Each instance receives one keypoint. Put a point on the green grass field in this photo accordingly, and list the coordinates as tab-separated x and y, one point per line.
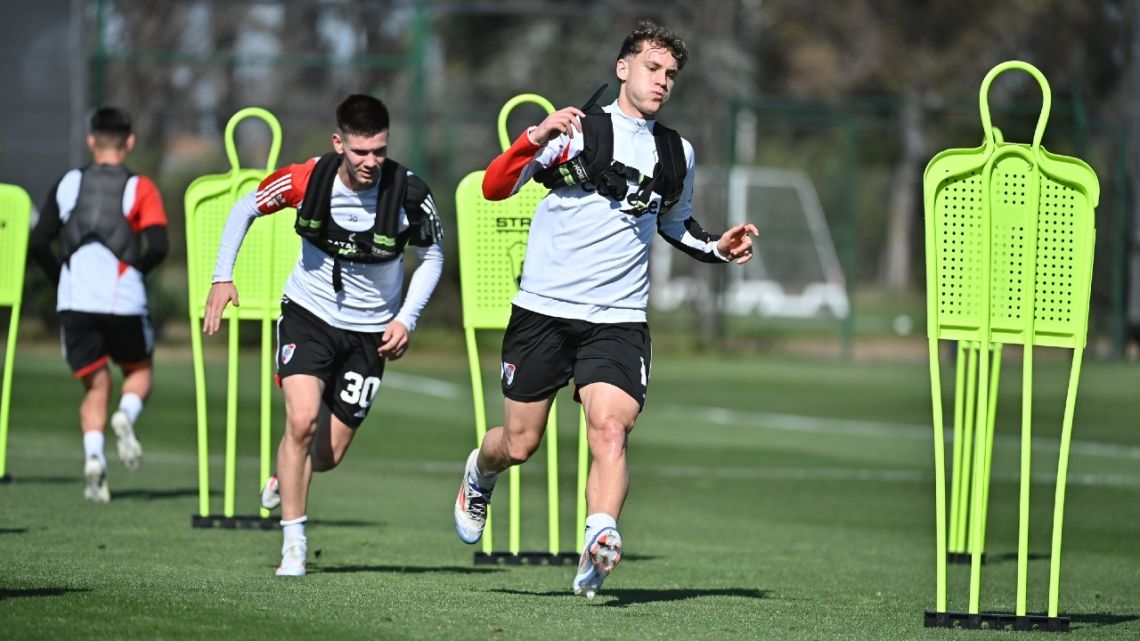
772	498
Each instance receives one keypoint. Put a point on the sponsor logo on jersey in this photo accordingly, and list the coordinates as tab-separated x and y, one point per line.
360	414
287	352
508	373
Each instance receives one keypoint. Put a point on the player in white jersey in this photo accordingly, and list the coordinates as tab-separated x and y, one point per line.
111	229
617	179
341	315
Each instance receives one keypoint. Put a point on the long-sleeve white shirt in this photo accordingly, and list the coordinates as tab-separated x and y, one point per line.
585	258
371	294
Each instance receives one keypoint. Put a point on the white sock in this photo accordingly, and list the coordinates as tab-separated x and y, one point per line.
294	529
131	405
93	446
482	479
596	523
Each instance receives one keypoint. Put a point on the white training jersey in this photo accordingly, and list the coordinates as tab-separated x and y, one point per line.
585	258
94	280
371	294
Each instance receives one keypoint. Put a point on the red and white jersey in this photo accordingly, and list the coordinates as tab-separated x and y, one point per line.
587	259
371	292
94	280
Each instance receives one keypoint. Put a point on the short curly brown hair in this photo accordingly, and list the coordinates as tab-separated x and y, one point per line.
648	31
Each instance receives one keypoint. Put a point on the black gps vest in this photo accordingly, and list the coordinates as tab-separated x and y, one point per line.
383	242
610	178
98	214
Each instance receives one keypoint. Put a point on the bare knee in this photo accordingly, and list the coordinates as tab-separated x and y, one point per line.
300	427
520	447
607	436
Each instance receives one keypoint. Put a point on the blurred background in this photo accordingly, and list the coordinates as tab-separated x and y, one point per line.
813	120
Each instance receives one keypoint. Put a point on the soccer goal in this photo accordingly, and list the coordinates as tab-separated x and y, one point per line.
795	272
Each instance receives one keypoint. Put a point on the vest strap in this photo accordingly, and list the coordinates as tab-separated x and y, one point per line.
595	165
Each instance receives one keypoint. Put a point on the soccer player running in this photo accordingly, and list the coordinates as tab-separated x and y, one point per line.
617	178
341	317
111	229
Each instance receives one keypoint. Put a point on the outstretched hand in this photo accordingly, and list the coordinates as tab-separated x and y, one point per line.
564	121
394	343
736	243
221	294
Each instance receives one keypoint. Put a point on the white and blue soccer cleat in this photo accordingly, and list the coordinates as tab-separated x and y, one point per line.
600	557
95	481
271	494
293	558
130	450
471	504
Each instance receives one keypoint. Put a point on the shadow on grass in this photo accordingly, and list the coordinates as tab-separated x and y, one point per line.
157	495
47	480
13	530
625	597
1005	557
15	593
1100	619
402	569
343	523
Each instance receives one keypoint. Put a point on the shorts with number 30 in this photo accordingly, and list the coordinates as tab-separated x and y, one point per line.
346	361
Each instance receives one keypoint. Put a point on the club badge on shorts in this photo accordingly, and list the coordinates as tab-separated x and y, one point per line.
287	352
508	373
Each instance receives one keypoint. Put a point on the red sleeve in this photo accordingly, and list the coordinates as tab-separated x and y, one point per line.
147	210
284	187
505	170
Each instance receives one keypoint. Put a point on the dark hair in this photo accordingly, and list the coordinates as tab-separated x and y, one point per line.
648	31
361	115
110	125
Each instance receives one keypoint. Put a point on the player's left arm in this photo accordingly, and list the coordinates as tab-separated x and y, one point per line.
148	220
681	229
425	237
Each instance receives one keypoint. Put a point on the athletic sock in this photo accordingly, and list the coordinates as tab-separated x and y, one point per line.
596	523
93	446
483	479
294	528
131	405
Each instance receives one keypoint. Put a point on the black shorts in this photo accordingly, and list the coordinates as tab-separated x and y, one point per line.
90	340
346	361
541	353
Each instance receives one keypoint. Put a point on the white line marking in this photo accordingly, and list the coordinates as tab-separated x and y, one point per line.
846	427
422	385
455	468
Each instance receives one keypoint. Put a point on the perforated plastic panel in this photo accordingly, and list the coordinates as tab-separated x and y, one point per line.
1013	207
1064	237
492	244
15	214
259	273
1040	238
961	243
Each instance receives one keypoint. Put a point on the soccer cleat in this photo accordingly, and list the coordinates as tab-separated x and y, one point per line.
471	504
95	481
599	558
271	494
130	451
293	558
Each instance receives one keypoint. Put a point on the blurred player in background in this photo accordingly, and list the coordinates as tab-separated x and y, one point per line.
111	229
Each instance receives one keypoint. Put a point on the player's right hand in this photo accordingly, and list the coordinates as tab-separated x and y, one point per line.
221	294
564	121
